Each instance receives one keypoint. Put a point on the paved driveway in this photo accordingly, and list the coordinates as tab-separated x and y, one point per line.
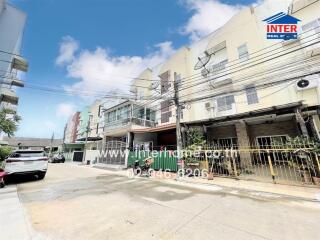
77	202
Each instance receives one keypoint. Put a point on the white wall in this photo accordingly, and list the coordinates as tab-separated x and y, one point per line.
12	22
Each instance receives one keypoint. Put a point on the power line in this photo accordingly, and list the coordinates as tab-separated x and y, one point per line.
255	75
256	64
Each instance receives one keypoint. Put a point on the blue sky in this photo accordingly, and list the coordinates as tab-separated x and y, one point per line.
121	36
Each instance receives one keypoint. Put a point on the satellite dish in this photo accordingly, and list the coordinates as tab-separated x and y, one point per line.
303	83
202	61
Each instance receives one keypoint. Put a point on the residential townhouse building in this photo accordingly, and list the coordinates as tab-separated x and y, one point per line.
83	123
235	85
12	23
70	134
94	140
245	95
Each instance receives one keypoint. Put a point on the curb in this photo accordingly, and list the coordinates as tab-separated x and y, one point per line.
225	189
287	196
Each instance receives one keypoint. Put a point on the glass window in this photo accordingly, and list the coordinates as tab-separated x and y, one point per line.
124	112
252	96
118	112
225	103
243	52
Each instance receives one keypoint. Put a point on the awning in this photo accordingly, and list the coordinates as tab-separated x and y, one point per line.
20	63
155	129
275	110
7	95
90	139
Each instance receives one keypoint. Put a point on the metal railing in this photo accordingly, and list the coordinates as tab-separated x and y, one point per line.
127	121
296	164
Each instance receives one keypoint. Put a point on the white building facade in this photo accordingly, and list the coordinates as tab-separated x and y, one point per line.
12	23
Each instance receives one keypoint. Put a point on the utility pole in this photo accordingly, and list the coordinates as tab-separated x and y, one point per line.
86	141
64	137
178	116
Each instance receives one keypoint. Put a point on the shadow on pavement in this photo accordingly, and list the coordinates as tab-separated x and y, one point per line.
17	179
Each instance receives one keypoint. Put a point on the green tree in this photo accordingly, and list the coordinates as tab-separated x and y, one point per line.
4	152
195	137
9	121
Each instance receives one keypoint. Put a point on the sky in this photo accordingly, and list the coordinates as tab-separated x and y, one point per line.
90	47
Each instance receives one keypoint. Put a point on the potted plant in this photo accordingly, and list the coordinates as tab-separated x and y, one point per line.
196	142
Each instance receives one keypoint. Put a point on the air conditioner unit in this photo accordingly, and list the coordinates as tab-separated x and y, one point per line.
208	106
313	82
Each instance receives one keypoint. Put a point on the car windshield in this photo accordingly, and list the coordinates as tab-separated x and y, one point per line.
29	154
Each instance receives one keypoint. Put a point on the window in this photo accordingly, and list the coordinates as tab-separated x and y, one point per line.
243	52
225	103
252	96
118	111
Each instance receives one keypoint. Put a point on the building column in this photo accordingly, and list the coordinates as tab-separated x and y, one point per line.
243	144
302	124
103	147
129	145
315	125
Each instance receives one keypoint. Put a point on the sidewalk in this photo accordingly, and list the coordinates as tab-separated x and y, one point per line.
13	222
232	185
297	192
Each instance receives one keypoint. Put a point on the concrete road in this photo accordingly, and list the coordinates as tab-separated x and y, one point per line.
77	202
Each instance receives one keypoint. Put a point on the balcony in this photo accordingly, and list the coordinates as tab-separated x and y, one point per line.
129	122
128	115
7	95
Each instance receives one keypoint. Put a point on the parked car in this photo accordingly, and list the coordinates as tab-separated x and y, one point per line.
27	162
2	175
58	158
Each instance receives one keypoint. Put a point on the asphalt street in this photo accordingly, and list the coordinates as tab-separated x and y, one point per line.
78	202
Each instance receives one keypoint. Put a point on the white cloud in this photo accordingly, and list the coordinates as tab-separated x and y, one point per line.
65	110
99	72
68	47
208	15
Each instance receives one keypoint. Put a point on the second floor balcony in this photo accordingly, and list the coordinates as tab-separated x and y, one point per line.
127	115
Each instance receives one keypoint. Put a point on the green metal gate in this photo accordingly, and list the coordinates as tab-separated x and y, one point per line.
162	159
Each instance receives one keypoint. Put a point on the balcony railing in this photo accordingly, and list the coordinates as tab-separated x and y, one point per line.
129	121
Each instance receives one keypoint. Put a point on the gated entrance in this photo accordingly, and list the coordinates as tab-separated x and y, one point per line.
115	153
77	156
278	160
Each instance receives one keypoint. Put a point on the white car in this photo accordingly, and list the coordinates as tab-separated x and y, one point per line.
27	162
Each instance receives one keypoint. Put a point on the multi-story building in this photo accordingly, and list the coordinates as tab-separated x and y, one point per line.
83	123
70	134
12	22
237	86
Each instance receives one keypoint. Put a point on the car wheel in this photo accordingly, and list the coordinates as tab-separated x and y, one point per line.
2	184
41	175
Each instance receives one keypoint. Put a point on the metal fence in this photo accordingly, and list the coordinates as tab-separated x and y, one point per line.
281	162
162	159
